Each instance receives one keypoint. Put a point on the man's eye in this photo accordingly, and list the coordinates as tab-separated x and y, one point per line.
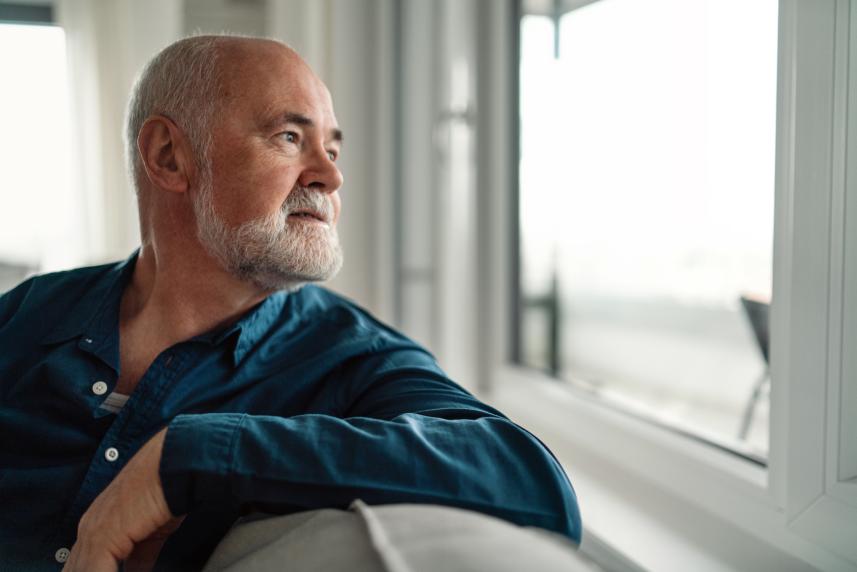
289	136
331	155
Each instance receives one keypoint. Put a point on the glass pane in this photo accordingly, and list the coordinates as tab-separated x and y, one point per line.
646	208
40	215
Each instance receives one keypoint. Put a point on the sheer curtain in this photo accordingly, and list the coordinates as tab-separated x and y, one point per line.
108	41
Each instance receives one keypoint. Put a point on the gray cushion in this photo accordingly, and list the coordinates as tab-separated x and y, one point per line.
390	538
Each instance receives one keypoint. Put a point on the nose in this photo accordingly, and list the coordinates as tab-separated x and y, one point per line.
321	173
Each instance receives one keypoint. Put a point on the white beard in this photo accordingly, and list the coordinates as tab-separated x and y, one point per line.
272	252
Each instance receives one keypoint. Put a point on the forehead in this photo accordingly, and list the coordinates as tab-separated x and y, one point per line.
265	80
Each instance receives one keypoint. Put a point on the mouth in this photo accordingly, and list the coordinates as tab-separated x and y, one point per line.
308	216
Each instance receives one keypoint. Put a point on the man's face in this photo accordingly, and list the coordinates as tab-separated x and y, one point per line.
267	202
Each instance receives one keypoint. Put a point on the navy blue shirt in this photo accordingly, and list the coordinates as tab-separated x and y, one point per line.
306	402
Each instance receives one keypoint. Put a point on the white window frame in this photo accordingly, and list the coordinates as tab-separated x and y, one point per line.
804	505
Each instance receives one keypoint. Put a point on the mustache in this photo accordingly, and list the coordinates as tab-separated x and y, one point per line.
306	199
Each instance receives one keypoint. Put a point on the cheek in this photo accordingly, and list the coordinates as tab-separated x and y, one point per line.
251	191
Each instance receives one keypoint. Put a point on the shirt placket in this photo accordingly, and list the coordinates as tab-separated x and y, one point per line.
136	421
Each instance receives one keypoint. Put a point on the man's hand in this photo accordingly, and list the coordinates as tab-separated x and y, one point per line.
129	520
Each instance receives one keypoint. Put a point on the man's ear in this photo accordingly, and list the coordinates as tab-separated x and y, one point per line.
165	153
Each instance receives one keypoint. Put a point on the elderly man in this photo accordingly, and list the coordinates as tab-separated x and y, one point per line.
146	405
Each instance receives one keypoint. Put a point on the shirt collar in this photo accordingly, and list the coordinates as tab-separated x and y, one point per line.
96	318
97	312
256	323
249	329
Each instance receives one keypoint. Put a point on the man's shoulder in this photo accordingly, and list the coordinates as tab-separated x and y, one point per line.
66	283
351	332
319	304
315	298
51	293
316	302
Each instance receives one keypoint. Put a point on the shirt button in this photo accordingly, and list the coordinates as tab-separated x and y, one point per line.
111	454
61	555
99	388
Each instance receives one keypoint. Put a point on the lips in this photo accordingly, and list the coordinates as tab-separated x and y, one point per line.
309	214
307	205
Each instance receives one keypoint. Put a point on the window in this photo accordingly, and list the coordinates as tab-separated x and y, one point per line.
646	208
797	506
649	493
39	212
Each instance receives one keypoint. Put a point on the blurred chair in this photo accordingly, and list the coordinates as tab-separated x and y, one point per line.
757	312
12	274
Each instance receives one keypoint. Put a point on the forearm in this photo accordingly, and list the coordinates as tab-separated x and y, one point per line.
310	461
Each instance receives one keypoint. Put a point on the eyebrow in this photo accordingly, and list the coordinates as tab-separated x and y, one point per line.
300	119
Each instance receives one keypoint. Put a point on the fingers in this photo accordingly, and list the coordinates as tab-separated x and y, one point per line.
88	556
88	560
145	553
128	512
96	549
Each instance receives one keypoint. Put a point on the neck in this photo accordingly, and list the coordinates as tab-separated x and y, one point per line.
183	294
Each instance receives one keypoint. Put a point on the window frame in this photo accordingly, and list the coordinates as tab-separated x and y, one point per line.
801	504
32	13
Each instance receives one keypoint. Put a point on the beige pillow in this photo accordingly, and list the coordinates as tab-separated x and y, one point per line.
390	538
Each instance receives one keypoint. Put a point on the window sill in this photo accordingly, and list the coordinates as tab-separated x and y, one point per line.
654	497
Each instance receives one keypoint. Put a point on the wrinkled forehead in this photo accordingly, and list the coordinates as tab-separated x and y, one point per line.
265	78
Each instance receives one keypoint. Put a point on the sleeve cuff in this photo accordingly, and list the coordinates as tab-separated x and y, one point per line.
196	463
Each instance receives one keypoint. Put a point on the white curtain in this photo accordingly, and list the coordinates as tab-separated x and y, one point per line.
108	41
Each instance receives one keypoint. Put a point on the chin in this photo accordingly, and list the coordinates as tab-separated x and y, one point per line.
272	275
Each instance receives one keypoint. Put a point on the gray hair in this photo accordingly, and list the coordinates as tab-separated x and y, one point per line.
182	82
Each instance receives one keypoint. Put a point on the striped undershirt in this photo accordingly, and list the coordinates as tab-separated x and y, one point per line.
114	402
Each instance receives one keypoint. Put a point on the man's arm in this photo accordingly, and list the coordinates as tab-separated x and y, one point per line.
278	465
408	435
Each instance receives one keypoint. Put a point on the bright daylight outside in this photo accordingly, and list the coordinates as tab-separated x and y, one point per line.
646	209
39	216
